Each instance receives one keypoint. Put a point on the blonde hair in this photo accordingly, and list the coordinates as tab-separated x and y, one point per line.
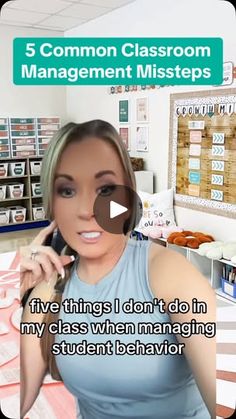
73	132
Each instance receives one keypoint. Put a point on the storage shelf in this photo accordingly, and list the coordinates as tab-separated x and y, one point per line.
224	295
10	159
227	262
12	177
15	199
23	226
25	222
29	131
25	201
210	268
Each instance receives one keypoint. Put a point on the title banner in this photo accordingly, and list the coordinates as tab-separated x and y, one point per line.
104	61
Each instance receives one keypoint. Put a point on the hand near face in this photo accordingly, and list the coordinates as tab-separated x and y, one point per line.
39	262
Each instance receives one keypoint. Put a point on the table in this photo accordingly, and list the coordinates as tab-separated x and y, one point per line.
54	401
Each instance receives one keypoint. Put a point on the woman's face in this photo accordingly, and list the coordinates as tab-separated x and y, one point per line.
84	171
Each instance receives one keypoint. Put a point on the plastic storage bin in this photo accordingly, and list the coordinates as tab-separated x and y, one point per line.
17	168
38	212
4	216
15	190
36	189
3	169
228	287
3	189
17	214
35	167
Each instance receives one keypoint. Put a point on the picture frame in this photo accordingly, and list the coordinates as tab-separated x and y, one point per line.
124	111
124	132
142	110
142	138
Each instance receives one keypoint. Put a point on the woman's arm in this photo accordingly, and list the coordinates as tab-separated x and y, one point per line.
33	368
171	277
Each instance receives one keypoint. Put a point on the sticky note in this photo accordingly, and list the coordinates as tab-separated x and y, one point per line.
196	124
218	165
194	177
195	136
217	179
194	164
195	150
218	138
216	195
218	150
194	190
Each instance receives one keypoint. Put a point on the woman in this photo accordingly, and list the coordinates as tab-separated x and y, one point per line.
84	161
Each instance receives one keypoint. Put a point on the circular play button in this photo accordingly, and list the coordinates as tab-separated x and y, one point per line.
117	209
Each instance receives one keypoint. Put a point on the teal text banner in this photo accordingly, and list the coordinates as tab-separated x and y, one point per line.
106	61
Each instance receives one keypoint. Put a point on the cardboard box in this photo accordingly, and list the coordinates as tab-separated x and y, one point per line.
4	216
3	189
15	190
17	214
36	189
38	212
35	167
17	168
3	169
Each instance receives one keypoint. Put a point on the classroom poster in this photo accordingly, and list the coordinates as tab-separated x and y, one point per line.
142	109
141	138
124	133
123	111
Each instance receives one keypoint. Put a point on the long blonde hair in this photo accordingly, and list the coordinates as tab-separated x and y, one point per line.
73	132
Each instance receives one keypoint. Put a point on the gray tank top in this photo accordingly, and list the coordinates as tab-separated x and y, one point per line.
126	386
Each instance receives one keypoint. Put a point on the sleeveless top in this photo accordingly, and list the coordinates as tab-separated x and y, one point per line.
126	386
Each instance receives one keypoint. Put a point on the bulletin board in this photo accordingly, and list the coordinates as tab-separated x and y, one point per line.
202	150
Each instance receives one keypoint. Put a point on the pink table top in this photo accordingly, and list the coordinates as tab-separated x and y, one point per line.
61	403
55	402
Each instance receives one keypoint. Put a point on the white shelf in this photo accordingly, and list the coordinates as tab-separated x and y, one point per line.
12	177
212	269
227	262
15	199
25	201
224	295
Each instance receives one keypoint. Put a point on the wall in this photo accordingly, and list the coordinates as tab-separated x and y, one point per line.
155	18
26	100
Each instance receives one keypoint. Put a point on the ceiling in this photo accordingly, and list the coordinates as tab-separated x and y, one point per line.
55	15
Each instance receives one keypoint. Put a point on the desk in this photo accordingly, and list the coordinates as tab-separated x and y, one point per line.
226	360
54	401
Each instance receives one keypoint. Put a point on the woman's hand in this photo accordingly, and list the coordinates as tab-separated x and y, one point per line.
38	262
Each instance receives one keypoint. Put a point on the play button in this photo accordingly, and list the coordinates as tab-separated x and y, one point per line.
117	209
